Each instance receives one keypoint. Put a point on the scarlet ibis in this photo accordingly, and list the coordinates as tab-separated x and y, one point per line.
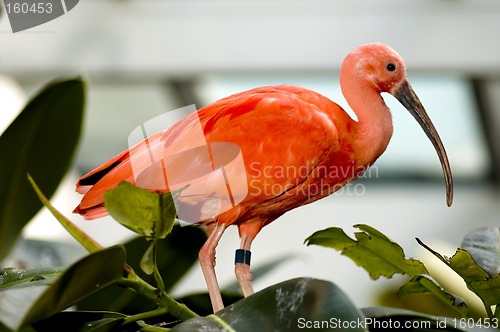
277	128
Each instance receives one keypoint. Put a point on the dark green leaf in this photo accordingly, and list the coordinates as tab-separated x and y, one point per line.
17	278
176	256
82	321
424	284
147	213
200	302
483	244
381	318
41	142
287	306
376	253
87	276
116	298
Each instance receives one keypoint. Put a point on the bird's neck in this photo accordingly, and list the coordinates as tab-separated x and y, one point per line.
374	126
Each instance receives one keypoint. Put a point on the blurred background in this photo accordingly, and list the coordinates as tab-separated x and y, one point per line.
144	58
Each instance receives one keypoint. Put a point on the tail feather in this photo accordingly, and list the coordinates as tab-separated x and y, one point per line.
91	213
91	178
95	183
107	176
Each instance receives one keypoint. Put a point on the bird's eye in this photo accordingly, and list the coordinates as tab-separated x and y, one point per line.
391	67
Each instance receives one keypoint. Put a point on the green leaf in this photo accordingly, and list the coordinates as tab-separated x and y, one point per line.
82	321
200	302
488	290
424	284
333	237
463	263
41	141
373	251
176	256
17	278
287	306
483	244
475	277
78	234
148	260
147	213
87	276
385	317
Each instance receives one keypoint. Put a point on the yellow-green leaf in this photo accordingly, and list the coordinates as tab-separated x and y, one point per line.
424	284
475	277
78	234
372	250
148	260
147	213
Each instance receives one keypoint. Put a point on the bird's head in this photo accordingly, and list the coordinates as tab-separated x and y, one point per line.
378	66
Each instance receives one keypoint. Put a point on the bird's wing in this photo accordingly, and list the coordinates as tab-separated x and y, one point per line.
249	148
283	132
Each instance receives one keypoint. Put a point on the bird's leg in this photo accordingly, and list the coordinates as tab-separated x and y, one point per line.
207	262
247	231
242	266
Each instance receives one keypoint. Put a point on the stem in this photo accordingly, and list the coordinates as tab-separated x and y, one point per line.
156	272
149	328
145	315
164	300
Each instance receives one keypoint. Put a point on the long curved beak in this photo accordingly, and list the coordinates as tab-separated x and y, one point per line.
406	96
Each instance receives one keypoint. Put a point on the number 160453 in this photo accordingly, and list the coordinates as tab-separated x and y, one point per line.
26	8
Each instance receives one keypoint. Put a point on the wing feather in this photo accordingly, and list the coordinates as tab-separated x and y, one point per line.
283	134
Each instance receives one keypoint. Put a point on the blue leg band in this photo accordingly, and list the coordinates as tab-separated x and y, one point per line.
242	256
